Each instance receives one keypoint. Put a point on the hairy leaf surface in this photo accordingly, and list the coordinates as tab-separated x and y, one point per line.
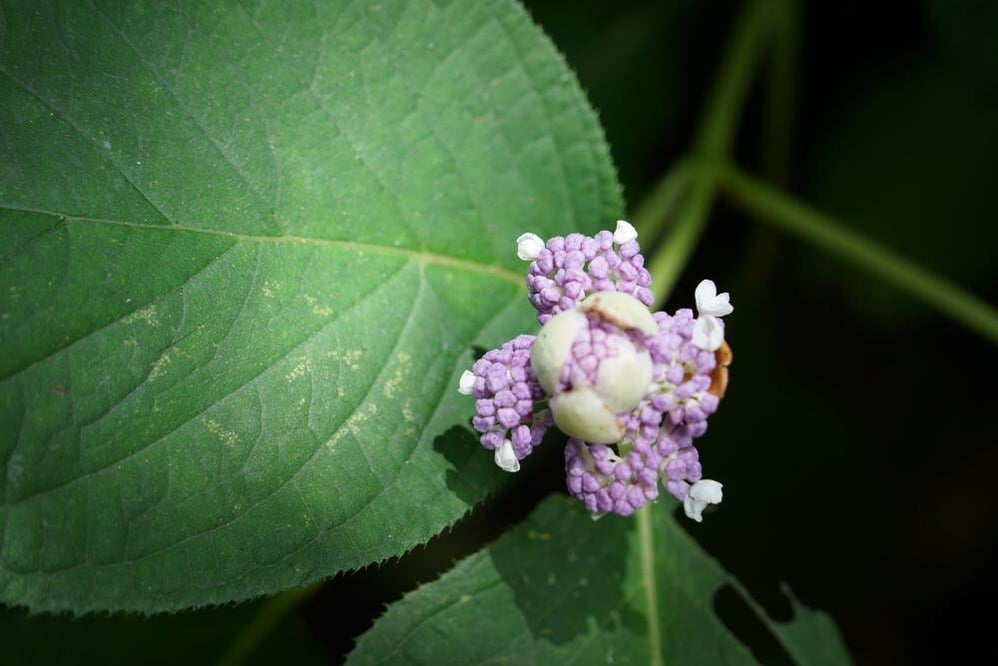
245	250
562	589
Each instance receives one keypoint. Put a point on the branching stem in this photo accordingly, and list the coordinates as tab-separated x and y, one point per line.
713	142
772	206
710	169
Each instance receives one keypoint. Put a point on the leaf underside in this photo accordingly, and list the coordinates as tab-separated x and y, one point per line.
563	589
245	250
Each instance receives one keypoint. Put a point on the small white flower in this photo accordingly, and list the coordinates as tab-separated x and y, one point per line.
699	496
624	232
529	246
709	302
466	385
708	332
506	459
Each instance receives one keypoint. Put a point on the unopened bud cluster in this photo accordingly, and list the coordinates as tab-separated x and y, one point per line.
632	389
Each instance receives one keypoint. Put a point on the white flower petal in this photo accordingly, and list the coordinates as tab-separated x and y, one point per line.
705	292
708	332
707	490
709	302
701	493
466	385
624	233
506	458
529	246
694	508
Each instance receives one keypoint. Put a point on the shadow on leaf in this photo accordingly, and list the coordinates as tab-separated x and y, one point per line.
567	573
472	474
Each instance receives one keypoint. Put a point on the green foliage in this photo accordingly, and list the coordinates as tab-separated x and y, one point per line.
246	250
562	589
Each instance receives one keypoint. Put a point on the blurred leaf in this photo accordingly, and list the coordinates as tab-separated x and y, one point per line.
196	637
563	589
246	250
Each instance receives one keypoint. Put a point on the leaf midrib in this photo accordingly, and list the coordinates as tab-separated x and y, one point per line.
423	256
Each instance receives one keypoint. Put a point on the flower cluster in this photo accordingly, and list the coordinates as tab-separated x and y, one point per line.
632	389
507	393
563	270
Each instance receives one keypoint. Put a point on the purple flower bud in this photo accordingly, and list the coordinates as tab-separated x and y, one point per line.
570	267
506	393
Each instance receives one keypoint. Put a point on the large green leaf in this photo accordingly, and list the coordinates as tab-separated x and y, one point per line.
245	250
563	589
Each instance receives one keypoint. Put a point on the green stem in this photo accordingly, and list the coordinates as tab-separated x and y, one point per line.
652	214
263	623
772	206
670	259
713	142
648	582
781	94
757	264
738	68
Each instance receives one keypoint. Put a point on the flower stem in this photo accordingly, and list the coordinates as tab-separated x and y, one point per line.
780	210
670	259
780	90
648	582
758	262
665	197
716	134
713	142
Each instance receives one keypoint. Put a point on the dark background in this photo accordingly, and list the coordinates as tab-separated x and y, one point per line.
857	442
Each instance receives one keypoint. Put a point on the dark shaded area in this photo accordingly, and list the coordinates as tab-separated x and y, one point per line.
462	450
196	637
746	625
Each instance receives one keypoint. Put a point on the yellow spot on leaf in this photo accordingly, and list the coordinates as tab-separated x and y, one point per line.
304	365
148	315
268	287
227	437
159	367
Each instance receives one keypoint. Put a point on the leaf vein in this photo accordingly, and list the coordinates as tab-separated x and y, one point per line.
124	316
194	120
249	381
79	130
424	256
308	90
